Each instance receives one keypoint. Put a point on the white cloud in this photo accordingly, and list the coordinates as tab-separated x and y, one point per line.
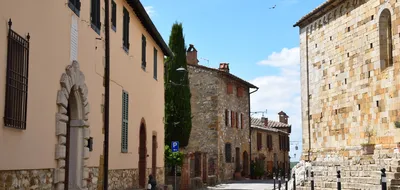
150	10
285	58
281	92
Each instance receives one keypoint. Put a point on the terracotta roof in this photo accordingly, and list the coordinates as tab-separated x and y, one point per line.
271	124
323	8
226	74
149	25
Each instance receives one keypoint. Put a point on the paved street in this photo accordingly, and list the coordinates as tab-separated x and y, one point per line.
248	184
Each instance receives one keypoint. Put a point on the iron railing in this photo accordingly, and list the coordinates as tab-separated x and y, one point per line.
16	80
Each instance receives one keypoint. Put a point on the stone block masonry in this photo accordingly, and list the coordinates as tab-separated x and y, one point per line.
43	179
353	90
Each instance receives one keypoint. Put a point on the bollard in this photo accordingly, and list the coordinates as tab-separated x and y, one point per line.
274	176
383	179
286	182
312	180
279	181
339	184
294	181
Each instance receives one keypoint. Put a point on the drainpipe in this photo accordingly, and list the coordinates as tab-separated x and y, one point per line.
107	92
250	121
308	100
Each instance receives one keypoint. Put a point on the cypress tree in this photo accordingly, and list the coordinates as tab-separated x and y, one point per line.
178	115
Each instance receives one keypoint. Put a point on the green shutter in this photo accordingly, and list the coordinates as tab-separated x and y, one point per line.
125	116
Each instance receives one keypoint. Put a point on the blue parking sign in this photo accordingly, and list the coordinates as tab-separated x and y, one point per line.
175	146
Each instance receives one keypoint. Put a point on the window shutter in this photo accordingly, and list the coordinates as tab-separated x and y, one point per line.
229	119
226	117
74	39
155	63
114	14
242	120
236	119
143	51
125	118
232	119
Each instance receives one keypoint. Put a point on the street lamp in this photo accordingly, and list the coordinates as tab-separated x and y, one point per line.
181	69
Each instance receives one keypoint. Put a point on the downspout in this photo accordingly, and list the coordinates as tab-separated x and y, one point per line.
250	120
308	101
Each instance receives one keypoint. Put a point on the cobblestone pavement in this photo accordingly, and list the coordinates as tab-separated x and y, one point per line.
248	184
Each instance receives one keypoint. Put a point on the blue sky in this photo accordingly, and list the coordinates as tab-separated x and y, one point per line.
260	44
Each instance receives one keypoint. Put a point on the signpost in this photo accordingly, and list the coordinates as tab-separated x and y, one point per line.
175	148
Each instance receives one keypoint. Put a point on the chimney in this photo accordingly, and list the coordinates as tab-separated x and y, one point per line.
264	120
191	55
224	67
283	118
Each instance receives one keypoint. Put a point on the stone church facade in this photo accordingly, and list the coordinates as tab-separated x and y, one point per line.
52	95
350	66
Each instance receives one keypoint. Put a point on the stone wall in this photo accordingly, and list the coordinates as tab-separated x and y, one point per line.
204	101
281	156
209	133
27	179
351	94
239	138
360	172
43	179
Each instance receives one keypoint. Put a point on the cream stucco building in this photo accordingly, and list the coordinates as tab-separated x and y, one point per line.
350	91
52	65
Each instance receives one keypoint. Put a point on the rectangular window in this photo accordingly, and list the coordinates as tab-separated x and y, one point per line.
237	120
114	16
95	15
155	64
270	147
75	6
125	33
143	52
226	117
259	141
232	119
240	91
242	120
16	80
125	118
228	153
280	142
229	88
239	117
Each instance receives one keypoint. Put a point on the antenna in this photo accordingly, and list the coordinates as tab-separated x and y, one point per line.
208	61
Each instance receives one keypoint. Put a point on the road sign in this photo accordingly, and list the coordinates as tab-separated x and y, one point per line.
175	146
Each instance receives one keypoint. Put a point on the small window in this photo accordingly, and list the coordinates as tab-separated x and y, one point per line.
143	52
259	141
75	6
372	17
377	103
330	61
359	107
228	153
16	96
348	29
226	117
345	81
95	15
329	86
237	119
348	54
240	91
230	88
125	118
114	16
371	45
125	33
155	52
385	39
242	120
330	38
316	45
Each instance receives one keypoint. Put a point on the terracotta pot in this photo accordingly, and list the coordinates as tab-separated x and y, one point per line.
368	149
238	175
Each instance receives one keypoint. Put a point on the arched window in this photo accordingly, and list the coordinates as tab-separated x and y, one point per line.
385	39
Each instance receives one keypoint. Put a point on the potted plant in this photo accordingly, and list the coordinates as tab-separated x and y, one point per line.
368	147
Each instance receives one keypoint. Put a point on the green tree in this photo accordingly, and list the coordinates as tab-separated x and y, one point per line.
178	116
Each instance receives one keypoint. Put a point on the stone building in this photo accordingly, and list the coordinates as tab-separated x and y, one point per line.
220	106
270	142
350	90
52	57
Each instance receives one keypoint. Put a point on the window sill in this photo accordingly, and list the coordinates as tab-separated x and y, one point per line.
74	9
155	78
125	49
95	28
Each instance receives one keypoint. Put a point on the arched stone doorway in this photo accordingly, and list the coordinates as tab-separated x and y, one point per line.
72	130
142	154
245	164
